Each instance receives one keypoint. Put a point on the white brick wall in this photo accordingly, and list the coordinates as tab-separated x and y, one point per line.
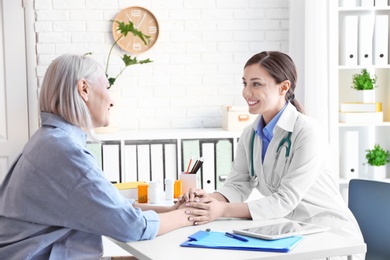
198	58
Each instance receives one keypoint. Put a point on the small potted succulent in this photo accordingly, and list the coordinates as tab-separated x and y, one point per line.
365	85
377	158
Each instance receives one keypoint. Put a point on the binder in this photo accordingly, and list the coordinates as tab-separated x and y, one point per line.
190	148
381	3
349	161
208	167
96	150
157	163
366	3
381	40
224	159
366	34
143	162
170	156
218	240
349	41
111	161
130	163
348	3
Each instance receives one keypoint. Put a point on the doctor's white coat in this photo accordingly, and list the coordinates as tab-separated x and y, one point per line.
302	186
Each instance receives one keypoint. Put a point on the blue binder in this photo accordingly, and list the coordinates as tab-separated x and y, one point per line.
219	240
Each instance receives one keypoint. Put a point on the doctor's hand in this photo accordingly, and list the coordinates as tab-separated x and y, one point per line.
206	211
196	195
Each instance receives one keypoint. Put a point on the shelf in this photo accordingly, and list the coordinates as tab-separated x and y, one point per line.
364	9
350	140
156	134
343	181
359	67
363	124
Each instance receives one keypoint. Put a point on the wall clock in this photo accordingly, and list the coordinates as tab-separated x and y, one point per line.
144	21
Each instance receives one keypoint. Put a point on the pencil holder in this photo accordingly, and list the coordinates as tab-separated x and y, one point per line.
189	180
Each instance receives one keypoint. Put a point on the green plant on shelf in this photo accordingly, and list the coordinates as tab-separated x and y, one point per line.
363	81
377	156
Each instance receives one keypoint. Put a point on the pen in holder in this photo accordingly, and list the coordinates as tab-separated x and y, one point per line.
189	180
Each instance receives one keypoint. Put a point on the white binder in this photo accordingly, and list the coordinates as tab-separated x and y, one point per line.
366	33
349	163
381	39
366	3
171	170
348	41
111	162
348	3
157	163
208	167
381	3
130	162
143	162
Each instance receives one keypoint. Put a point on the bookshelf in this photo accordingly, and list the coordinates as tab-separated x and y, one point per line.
148	155
352	139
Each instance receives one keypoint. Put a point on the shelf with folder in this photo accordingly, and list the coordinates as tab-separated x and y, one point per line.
363	43
146	155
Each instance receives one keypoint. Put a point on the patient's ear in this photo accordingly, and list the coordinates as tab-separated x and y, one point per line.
83	89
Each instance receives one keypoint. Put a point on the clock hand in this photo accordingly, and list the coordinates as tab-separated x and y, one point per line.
141	21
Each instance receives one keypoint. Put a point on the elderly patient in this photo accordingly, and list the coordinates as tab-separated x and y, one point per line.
55	202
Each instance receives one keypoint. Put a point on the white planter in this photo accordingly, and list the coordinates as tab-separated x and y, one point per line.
377	172
365	96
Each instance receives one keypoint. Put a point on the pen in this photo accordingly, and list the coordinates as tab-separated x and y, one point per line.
198	165
236	237
189	165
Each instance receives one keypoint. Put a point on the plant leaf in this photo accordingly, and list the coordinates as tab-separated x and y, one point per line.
125	28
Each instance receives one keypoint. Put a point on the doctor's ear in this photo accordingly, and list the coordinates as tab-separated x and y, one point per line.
83	89
284	86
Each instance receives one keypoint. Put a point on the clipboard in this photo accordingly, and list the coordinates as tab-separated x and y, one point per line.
218	240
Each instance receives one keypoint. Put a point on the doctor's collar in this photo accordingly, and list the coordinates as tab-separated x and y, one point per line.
266	131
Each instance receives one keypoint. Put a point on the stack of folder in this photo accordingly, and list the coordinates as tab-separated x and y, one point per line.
361	112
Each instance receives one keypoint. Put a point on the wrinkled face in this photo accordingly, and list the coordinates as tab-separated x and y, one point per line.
262	94
99	101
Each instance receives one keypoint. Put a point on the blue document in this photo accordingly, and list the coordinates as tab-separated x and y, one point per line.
220	240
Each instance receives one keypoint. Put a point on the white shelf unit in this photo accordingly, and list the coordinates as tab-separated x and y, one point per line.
146	155
368	133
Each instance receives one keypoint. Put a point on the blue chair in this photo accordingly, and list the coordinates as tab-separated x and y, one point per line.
369	201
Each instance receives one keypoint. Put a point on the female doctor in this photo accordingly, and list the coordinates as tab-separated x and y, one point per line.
283	155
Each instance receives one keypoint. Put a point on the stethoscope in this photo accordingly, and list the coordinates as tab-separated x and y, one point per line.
253	178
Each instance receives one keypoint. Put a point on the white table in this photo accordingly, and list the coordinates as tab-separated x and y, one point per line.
167	246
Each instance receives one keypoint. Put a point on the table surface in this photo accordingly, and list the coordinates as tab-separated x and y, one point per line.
312	246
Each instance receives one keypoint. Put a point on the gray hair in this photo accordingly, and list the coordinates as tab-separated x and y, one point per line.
59	93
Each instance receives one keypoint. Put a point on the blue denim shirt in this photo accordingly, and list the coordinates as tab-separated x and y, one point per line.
55	202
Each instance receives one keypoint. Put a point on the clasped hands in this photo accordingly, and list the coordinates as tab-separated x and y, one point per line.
201	207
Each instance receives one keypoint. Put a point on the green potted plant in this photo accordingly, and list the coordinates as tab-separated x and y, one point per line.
128	60
377	158
365	85
124	29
